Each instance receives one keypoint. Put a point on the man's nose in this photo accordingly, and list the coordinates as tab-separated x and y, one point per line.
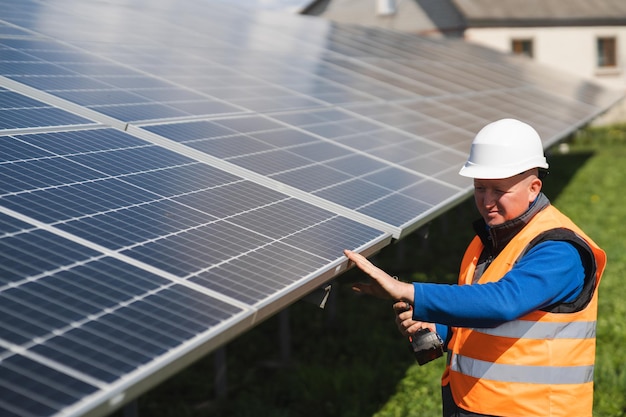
489	198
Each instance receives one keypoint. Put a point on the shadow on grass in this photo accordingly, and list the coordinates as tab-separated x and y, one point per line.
563	168
346	365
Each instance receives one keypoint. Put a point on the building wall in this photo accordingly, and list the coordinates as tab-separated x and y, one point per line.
571	49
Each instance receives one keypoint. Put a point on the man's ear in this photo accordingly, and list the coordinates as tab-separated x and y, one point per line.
534	188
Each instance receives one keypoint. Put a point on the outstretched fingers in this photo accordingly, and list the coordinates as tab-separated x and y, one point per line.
381	284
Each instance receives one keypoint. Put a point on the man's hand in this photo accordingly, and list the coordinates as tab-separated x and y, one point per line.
404	320
382	284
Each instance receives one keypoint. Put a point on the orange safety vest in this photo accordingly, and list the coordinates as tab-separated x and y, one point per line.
538	365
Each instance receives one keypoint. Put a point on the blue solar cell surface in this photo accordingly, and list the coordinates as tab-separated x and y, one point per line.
43	391
18	112
322	164
103	272
155	205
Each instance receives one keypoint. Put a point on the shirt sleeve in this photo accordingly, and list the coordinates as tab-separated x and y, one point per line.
444	333
549	273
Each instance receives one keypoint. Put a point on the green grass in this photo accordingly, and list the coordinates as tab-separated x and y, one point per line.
350	361
595	198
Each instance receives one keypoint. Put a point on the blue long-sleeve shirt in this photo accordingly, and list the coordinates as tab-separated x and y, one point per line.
549	273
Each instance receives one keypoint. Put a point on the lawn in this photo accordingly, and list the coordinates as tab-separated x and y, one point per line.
349	360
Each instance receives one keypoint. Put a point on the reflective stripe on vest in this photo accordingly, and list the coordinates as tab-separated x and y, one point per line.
523	329
524	374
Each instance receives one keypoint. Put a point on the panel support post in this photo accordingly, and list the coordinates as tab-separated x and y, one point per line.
131	409
221	373
284	336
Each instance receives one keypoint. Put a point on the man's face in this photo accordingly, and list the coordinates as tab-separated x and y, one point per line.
501	200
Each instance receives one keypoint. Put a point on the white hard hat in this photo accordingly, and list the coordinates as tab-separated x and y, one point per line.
502	149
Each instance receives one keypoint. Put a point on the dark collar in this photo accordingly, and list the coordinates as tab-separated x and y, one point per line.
496	238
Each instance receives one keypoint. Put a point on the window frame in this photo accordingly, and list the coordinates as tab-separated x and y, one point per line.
606	52
523	46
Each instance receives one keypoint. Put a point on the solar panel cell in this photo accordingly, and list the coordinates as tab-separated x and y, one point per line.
189	131
346	234
14	150
352	194
230	146
282	219
39	117
270	162
26	255
34	389
193	250
249	124
181	180
405	209
128	226
13	100
356	165
393	178
140	112
128	161
312	178
83	141
254	276
10	225
82	199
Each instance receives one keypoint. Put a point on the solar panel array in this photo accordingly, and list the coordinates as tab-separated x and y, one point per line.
173	172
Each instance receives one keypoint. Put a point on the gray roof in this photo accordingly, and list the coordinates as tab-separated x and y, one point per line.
542	12
451	17
416	16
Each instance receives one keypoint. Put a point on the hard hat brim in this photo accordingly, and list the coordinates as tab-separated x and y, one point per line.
471	170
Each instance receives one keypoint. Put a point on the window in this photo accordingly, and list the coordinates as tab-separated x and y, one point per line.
607	52
385	7
522	47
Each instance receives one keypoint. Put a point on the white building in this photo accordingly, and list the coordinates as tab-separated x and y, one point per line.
583	37
586	38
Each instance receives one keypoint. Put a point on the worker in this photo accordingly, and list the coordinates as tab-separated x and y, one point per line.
519	328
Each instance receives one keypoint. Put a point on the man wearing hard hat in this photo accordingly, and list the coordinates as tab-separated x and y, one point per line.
519	327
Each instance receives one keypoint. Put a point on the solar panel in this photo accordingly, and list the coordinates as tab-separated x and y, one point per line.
116	252
168	180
